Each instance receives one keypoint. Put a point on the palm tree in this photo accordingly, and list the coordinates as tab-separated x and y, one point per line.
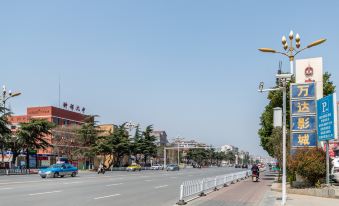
31	135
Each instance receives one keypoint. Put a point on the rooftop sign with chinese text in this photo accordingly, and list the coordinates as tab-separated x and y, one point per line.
327	118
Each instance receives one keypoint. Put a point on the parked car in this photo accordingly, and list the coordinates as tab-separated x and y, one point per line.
172	167
133	167
335	172
157	167
244	166
58	170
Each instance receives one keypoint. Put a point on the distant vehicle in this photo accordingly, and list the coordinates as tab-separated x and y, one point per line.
133	167
237	166
58	170
197	166
244	166
172	167
157	167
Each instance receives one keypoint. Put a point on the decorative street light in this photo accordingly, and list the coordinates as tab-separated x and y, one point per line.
5	96
290	50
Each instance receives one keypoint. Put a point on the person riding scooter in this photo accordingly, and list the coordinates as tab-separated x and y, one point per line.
255	171
101	168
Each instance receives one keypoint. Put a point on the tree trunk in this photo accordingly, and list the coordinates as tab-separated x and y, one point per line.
27	159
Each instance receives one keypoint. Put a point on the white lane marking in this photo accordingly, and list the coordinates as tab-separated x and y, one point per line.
117	178
148	180
161	186
116	184
97	198
8	183
43	193
6	188
67	183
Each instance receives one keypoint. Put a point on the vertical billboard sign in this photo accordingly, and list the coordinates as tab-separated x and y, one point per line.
303	115
327	118
310	70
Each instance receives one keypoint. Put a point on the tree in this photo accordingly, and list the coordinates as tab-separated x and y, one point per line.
32	135
309	164
88	135
119	143
5	132
148	146
136	144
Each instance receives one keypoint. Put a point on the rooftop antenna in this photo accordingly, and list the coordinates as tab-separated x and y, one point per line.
280	66
59	92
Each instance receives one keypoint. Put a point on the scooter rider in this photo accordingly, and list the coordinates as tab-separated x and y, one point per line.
101	168
255	169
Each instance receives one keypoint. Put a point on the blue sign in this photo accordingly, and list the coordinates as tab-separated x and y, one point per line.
304	139
303	91
327	118
302	107
304	123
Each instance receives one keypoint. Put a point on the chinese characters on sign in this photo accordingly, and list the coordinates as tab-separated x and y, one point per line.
303	115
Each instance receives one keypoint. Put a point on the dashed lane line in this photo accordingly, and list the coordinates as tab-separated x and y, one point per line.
44	193
161	186
98	198
116	184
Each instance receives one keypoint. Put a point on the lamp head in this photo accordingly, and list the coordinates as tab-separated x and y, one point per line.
297	38
315	43
291	35
267	50
283	40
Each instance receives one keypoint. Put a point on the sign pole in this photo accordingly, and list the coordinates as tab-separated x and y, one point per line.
327	163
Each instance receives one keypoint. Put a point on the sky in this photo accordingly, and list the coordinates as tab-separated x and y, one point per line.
189	67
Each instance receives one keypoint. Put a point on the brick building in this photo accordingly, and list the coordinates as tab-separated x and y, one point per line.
60	117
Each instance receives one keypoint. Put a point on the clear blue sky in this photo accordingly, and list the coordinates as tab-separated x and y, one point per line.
189	67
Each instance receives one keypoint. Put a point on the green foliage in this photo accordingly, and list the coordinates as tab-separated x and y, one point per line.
309	164
148	147
329	87
31	135
208	156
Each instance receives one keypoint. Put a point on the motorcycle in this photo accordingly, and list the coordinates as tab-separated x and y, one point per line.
255	176
101	170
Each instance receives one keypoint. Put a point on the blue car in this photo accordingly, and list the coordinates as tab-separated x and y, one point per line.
59	170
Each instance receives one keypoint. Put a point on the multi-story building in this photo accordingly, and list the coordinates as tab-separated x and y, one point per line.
161	138
229	148
60	117
188	144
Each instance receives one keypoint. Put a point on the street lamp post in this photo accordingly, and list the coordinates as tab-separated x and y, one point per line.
290	52
5	96
283	80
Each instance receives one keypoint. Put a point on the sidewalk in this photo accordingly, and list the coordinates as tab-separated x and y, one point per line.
244	193
297	200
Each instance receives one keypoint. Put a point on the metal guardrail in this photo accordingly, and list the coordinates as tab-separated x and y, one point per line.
196	188
14	171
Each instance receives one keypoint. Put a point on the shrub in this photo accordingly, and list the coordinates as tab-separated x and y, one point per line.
309	164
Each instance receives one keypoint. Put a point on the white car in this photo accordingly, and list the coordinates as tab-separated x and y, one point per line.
335	171
157	167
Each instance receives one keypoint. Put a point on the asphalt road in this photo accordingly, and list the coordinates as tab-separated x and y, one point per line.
149	188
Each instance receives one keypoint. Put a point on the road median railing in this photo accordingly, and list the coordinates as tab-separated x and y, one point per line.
18	171
192	189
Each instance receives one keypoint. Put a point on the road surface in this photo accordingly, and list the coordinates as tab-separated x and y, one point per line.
118	188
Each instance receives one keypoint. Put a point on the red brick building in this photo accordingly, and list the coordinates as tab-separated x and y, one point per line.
58	116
